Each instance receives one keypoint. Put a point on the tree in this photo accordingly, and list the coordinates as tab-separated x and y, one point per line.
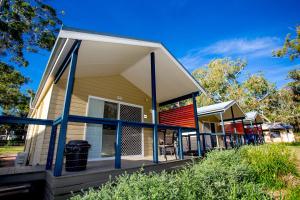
12	100
258	92
291	46
294	76
220	79
25	26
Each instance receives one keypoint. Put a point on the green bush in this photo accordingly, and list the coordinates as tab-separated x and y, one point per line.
246	173
270	162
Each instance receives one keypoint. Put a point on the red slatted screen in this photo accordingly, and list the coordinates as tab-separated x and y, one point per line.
182	116
229	128
249	130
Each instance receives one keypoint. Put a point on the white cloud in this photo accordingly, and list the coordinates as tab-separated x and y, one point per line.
237	47
241	46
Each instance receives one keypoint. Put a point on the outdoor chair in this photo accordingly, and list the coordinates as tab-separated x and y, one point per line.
168	144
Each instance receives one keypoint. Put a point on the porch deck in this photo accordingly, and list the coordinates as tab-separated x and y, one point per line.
126	163
96	174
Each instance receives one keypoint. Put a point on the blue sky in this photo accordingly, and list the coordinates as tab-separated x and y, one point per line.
194	31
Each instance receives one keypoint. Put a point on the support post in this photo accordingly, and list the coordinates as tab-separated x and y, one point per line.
203	140
252	129
190	144
262	134
223	130
51	147
234	127
118	145
257	132
180	144
65	114
154	108
197	125
245	138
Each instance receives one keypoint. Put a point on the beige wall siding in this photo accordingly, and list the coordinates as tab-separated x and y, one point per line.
109	87
36	133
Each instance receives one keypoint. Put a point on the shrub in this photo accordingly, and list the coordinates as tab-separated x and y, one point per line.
222	175
270	162
246	173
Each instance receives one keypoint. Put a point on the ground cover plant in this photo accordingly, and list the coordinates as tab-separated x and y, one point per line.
251	172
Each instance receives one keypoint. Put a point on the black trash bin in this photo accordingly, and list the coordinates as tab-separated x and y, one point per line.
76	152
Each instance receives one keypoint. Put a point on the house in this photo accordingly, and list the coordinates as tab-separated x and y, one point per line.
253	128
278	132
221	126
107	90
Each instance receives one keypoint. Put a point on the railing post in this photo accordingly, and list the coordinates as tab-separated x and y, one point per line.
51	147
197	125
262	134
118	145
245	138
65	114
180	144
154	108
223	130
203	143
190	144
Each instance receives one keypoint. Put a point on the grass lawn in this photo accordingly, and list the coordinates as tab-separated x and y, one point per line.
4	150
296	150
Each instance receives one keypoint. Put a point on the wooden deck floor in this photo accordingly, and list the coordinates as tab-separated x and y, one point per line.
99	172
96	174
126	163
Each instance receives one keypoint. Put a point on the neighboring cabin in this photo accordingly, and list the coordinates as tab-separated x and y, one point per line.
278	132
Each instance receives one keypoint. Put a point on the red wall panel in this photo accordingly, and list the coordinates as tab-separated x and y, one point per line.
182	116
229	128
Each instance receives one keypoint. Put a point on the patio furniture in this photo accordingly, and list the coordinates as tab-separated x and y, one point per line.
168	144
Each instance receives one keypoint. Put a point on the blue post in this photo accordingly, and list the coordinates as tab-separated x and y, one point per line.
154	108
223	130
203	143
262	134
65	114
197	125
245	138
118	145
231	143
190	144
51	147
180	144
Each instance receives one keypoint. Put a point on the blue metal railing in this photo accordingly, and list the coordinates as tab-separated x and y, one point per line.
84	119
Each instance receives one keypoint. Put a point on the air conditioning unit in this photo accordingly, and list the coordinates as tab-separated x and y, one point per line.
21	159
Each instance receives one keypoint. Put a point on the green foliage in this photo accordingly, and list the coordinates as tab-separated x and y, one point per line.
291	46
29	26
247	173
294	75
12	100
270	162
220	79
26	25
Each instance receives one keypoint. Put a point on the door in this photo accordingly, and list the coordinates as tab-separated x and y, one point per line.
102	137
132	137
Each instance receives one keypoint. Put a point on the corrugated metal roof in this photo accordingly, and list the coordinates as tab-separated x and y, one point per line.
250	116
278	126
218	107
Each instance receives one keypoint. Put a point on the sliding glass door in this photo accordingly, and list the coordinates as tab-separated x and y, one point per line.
102	137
